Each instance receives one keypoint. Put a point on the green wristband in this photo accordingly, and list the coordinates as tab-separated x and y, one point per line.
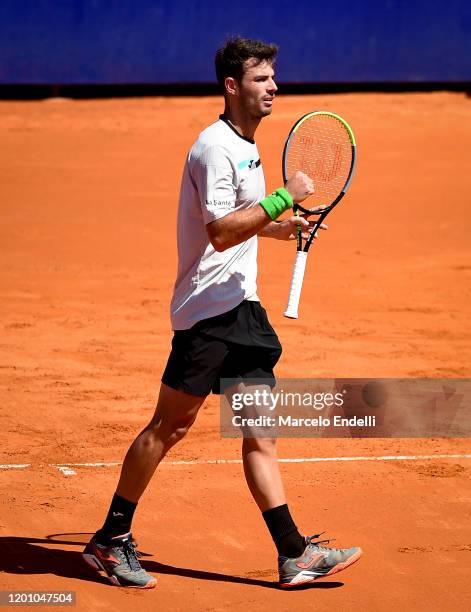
276	203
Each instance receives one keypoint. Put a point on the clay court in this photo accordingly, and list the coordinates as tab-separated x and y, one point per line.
88	198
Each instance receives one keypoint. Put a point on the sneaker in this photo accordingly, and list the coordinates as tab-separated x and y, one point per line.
120	562
315	562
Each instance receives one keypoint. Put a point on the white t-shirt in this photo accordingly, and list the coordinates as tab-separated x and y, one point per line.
222	174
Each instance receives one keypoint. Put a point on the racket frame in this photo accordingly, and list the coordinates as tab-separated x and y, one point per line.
297	207
297	278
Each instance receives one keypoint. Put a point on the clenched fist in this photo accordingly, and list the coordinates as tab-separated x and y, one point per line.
300	186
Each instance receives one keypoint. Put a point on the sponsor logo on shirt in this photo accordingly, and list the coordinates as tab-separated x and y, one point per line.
220	203
251	164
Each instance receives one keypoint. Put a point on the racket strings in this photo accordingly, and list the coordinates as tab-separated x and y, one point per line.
323	150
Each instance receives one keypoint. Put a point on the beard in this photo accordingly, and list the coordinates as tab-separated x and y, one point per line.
266	111
258	111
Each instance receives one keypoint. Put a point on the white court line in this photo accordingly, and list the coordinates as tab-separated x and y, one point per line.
67	468
67	471
319	459
14	466
100	464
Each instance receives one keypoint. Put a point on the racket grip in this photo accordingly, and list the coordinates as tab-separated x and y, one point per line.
296	284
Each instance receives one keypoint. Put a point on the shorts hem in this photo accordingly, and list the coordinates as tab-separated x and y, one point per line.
176	386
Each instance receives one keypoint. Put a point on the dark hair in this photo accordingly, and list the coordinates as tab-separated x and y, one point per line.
230	58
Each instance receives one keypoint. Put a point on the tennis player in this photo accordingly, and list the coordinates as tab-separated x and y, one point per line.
220	327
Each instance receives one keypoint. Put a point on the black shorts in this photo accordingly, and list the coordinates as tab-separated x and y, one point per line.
238	344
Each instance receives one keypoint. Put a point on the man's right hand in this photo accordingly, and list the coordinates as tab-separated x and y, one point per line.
300	186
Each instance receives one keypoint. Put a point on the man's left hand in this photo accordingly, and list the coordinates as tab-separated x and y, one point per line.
286	229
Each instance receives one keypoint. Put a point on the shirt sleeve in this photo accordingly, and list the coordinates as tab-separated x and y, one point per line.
213	176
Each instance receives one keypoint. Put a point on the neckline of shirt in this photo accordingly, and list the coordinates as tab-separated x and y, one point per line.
229	124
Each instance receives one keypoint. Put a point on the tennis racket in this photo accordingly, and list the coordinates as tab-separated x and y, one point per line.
322	145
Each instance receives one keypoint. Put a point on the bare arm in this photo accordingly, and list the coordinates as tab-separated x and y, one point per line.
237	227
240	225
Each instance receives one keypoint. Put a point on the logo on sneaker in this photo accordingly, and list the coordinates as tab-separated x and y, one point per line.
104	556
115	514
315	557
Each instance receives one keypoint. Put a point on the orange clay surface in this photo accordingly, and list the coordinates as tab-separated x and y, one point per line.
88	206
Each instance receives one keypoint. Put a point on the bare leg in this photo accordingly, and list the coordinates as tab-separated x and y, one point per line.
175	413
262	472
259	454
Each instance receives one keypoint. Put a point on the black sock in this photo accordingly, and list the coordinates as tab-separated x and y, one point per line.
288	541
118	520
